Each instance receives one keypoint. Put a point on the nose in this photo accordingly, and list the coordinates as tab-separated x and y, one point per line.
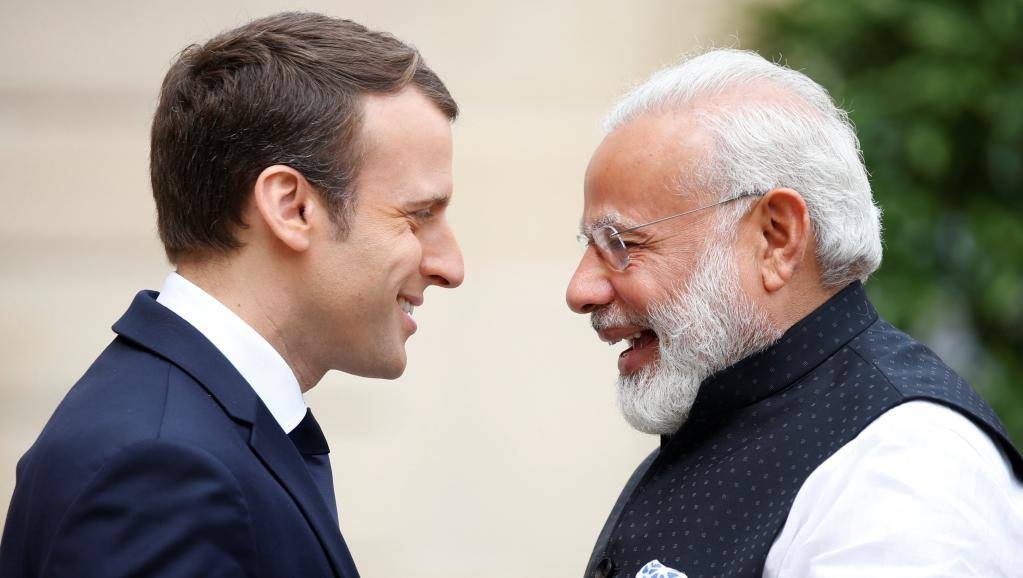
442	259
589	287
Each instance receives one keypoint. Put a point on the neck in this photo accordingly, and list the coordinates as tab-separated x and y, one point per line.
797	299
803	293
264	306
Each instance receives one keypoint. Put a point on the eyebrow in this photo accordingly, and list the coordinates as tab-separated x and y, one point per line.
613	219
439	200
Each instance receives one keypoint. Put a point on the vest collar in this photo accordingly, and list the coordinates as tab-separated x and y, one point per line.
803	347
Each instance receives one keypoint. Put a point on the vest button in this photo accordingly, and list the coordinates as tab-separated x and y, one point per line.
604	568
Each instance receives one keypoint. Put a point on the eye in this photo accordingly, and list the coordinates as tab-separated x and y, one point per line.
423	214
630	241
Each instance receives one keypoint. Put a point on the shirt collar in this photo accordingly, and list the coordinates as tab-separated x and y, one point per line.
252	355
802	348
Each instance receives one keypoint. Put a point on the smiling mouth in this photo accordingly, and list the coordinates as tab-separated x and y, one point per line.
643	348
406	306
639	340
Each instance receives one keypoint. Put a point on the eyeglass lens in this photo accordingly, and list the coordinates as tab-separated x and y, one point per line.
611	247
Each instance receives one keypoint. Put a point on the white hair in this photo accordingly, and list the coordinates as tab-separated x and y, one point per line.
771	127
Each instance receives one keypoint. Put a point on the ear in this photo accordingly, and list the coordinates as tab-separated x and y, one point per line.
284	200
782	223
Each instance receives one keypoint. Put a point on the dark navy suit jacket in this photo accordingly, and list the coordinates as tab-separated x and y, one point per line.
162	462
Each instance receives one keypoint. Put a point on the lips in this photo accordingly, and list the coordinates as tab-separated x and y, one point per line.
407	306
641	339
613	335
642	349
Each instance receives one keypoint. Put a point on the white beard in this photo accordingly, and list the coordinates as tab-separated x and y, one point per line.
704	326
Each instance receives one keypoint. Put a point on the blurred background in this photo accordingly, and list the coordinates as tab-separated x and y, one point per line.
501	448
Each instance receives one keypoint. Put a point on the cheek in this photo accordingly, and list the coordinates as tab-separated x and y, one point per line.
396	262
639	290
748	266
656	278
670	272
751	281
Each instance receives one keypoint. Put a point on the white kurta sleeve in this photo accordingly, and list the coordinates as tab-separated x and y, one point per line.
921	492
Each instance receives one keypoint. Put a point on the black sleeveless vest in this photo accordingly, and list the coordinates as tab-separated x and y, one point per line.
712	499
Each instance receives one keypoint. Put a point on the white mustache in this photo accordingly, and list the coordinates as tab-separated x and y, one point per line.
613	316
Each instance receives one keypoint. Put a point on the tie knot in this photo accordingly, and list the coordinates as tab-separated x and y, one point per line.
308	437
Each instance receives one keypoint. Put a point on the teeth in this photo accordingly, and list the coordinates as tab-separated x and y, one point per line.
630	338
405	305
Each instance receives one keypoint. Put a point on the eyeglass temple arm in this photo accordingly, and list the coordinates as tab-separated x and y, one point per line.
689	212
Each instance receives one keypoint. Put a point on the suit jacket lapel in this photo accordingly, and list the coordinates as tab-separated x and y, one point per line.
279	455
158	329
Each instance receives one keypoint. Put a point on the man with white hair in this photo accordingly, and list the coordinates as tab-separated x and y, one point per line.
728	223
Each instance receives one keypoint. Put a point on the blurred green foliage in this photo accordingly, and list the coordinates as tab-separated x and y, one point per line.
935	88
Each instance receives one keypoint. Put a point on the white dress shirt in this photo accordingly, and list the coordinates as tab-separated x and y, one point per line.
252	355
920	492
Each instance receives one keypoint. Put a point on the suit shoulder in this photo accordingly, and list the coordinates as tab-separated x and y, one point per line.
128	395
118	401
116	404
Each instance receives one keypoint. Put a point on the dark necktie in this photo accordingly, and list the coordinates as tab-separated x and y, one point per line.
308	438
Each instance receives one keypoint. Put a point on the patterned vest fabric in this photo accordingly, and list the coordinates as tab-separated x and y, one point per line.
712	499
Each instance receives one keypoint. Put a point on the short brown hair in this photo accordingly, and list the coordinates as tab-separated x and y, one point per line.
285	89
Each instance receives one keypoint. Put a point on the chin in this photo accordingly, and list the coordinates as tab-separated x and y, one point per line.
393	372
382	368
379	363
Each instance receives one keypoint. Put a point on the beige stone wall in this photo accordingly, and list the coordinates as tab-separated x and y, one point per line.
500	450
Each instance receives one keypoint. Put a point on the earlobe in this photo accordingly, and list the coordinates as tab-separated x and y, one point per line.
283	199
784	223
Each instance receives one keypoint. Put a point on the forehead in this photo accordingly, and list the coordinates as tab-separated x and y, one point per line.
407	147
641	169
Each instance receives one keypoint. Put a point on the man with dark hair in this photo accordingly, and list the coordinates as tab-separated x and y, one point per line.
301	167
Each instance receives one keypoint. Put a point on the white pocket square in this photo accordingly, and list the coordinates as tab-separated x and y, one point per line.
655	569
